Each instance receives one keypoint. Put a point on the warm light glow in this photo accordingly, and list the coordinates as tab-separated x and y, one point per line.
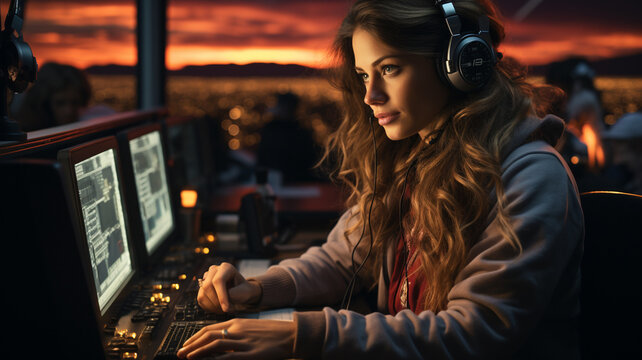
210	238
175	286
594	147
206	250
234	130
158	287
182	277
179	56
236	112
128	355
234	144
575	160
188	198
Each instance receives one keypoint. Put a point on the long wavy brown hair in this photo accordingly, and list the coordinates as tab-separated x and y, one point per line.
450	180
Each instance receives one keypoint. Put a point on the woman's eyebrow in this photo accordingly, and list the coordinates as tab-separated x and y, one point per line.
379	60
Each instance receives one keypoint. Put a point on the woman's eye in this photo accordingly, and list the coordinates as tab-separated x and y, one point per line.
389	69
363	76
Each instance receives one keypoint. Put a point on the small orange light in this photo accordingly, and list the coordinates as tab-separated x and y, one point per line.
188	198
175	286
575	160
210	238
206	250
182	277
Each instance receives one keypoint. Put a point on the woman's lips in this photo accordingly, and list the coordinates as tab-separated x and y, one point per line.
387	118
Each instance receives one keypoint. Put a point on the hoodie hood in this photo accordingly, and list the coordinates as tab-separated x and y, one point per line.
549	129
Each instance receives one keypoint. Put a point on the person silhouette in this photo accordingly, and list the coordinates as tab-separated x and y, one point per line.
285	145
59	96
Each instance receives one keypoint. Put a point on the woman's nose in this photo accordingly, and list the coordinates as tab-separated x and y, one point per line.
374	94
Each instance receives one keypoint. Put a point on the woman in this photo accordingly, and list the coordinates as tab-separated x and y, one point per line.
471	234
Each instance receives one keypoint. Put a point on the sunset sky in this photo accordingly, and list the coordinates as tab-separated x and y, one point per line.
99	32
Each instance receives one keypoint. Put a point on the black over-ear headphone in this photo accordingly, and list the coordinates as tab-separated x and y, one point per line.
468	60
18	60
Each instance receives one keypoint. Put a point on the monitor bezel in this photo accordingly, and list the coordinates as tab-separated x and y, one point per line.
68	158
145	259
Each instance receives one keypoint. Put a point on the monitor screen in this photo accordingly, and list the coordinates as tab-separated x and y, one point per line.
152	188
104	224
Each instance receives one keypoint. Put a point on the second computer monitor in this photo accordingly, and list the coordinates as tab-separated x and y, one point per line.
148	189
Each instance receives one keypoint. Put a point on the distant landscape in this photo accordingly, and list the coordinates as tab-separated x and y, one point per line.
630	65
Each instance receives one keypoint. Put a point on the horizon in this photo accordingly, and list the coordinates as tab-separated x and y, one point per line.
295	32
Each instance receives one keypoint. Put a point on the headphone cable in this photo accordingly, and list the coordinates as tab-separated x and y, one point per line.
353	281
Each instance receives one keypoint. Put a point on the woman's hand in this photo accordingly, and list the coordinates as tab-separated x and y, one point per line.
224	289
244	339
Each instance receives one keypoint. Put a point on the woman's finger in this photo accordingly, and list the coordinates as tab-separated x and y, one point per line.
207	297
218	348
206	335
224	274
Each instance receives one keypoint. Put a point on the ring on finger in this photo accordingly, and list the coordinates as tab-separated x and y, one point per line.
224	333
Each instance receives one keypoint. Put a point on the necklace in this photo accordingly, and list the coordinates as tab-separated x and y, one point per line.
403	297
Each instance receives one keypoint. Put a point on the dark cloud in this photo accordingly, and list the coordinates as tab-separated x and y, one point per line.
611	15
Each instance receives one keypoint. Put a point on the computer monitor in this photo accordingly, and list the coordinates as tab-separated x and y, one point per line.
93	174
148	190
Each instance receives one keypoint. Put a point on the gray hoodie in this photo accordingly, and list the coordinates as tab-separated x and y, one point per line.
501	306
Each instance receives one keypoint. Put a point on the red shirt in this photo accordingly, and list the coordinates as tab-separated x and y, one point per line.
416	281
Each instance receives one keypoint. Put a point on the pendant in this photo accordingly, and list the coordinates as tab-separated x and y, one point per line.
404	294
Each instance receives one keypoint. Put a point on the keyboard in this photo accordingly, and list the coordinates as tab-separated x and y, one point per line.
177	334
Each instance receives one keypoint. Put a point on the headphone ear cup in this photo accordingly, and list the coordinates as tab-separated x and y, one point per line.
471	63
25	67
475	61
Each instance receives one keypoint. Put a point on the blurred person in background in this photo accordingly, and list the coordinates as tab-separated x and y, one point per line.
286	146
624	142
582	144
60	96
